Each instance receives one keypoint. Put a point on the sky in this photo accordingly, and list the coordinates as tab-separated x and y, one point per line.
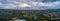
30	4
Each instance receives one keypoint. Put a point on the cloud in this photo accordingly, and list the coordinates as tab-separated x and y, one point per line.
23	5
0	3
31	4
47	4
10	6
16	5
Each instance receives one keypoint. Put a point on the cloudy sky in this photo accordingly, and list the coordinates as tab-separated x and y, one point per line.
30	4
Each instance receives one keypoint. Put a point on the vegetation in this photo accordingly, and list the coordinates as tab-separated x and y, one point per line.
37	15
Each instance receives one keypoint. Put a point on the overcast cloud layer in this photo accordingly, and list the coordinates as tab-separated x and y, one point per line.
30	4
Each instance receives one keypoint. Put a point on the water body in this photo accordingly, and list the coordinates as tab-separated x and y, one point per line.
20	20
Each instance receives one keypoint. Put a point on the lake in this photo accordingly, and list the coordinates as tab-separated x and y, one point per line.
20	20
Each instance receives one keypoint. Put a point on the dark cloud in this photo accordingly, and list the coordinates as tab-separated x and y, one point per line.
47	0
